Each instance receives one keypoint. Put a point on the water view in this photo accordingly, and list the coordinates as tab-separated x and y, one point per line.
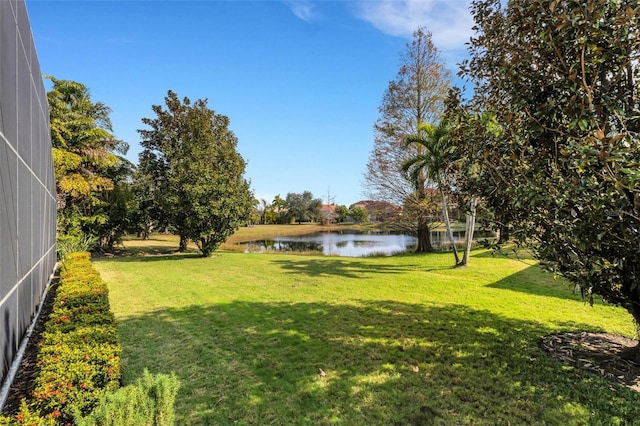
351	244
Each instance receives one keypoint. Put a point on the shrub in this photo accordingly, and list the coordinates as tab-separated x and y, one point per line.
149	402
79	363
27	417
79	356
72	243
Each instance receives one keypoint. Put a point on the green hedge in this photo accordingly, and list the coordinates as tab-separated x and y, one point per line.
79	354
79	363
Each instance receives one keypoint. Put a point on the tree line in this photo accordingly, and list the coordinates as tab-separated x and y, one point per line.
303	207
189	179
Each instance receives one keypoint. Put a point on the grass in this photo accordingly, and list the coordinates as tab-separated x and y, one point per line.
159	244
247	334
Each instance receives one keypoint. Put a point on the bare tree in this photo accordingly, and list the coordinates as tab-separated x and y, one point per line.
415	96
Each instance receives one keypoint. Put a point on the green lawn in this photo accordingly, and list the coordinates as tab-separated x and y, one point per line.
247	334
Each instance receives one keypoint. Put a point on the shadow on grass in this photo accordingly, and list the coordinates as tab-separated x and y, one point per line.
151	258
350	268
157	245
528	281
258	363
149	250
509	251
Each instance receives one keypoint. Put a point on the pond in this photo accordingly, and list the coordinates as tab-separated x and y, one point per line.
351	243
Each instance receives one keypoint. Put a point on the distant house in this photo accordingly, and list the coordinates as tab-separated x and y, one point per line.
328	214
378	211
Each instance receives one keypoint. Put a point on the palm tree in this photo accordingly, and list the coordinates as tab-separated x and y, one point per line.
88	170
435	154
263	214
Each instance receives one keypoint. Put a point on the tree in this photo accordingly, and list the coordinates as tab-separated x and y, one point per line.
86	163
562	81
263	209
358	214
162	151
471	130
191	154
256	214
148	215
415	96
303	207
342	212
468	131
279	209
118	207
435	156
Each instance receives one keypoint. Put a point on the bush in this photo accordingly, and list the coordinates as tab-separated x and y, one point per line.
149	402
79	363
79	356
74	243
27	417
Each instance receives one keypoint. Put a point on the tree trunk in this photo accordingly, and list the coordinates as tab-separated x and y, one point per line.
183	244
445	213
145	233
633	353
470	228
205	247
504	234
424	238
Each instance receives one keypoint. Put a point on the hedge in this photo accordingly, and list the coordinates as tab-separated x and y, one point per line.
79	354
79	363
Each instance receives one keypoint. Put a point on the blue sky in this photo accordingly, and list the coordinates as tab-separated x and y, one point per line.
301	81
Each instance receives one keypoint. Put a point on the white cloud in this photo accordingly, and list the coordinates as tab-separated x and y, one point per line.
448	20
303	9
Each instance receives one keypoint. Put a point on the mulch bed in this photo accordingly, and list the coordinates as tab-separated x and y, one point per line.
24	381
599	353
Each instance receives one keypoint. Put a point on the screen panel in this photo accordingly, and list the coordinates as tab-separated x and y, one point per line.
27	186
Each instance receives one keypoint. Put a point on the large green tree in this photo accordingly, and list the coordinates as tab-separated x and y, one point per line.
90	171
162	144
561	78
303	207
414	96
191	159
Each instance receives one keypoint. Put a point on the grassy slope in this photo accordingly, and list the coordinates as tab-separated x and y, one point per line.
246	334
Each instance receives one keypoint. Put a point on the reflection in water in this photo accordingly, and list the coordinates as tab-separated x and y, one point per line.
352	244
334	244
